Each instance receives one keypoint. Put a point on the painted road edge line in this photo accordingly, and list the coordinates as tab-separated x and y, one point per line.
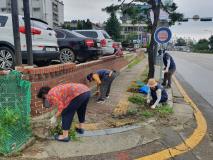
188	143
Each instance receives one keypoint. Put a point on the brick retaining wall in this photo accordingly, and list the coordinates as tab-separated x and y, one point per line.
64	73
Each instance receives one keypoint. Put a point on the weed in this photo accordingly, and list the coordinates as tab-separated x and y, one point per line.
132	112
164	110
4	136
137	99
73	135
58	130
147	114
9	117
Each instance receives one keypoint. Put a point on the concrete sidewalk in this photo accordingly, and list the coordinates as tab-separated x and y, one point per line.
99	144
98	115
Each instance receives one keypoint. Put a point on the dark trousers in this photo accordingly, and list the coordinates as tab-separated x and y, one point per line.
168	77
163	100
105	87
78	104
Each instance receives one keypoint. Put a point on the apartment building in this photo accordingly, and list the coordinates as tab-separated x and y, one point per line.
51	11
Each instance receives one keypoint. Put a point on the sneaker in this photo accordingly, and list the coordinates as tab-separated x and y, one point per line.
107	97
100	101
79	130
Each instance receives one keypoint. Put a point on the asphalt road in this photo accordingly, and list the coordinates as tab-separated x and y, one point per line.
195	72
197	69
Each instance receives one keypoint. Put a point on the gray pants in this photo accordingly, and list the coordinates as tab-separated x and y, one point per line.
106	83
168	77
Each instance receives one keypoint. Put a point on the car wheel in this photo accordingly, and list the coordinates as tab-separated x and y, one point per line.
7	60
67	55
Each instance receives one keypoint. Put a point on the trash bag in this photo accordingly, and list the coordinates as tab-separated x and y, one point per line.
144	89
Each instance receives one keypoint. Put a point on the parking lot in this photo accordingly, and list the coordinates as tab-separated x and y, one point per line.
53	46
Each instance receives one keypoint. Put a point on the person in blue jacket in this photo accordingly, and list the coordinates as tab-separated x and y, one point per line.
103	79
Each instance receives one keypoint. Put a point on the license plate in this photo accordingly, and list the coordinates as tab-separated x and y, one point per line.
50	49
98	44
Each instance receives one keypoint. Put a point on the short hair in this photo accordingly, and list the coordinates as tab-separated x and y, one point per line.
89	77
43	91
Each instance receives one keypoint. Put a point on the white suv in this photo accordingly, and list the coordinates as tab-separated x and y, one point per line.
103	39
44	41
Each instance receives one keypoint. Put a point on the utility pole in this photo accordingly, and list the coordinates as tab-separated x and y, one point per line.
28	34
17	43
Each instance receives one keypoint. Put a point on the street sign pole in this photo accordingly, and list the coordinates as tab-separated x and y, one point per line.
28	34
161	64
17	43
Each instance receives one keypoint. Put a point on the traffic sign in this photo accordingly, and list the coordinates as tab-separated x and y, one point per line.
163	35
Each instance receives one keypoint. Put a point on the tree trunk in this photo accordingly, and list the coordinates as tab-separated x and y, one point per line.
151	49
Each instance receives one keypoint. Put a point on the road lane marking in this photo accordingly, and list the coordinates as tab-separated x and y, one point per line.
188	143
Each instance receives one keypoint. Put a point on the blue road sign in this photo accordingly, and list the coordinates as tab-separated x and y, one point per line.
163	35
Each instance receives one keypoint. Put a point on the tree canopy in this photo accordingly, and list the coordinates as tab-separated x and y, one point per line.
181	42
139	11
113	27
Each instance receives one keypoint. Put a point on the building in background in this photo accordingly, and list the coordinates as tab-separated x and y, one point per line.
129	29
51	11
73	25
136	32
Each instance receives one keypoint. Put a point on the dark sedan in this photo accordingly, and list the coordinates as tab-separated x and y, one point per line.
75	47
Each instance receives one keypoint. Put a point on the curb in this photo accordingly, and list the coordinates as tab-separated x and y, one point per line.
189	143
109	131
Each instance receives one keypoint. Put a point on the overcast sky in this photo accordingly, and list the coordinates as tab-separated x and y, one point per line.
83	9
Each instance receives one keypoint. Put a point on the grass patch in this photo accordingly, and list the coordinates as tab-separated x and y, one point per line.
136	61
164	110
137	99
147	114
132	112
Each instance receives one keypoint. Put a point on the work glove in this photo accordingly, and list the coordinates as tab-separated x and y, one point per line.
153	106
53	121
148	101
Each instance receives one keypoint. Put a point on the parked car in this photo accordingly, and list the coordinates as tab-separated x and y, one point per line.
44	41
74	46
104	40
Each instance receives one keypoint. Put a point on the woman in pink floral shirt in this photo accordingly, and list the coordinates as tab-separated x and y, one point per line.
68	98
